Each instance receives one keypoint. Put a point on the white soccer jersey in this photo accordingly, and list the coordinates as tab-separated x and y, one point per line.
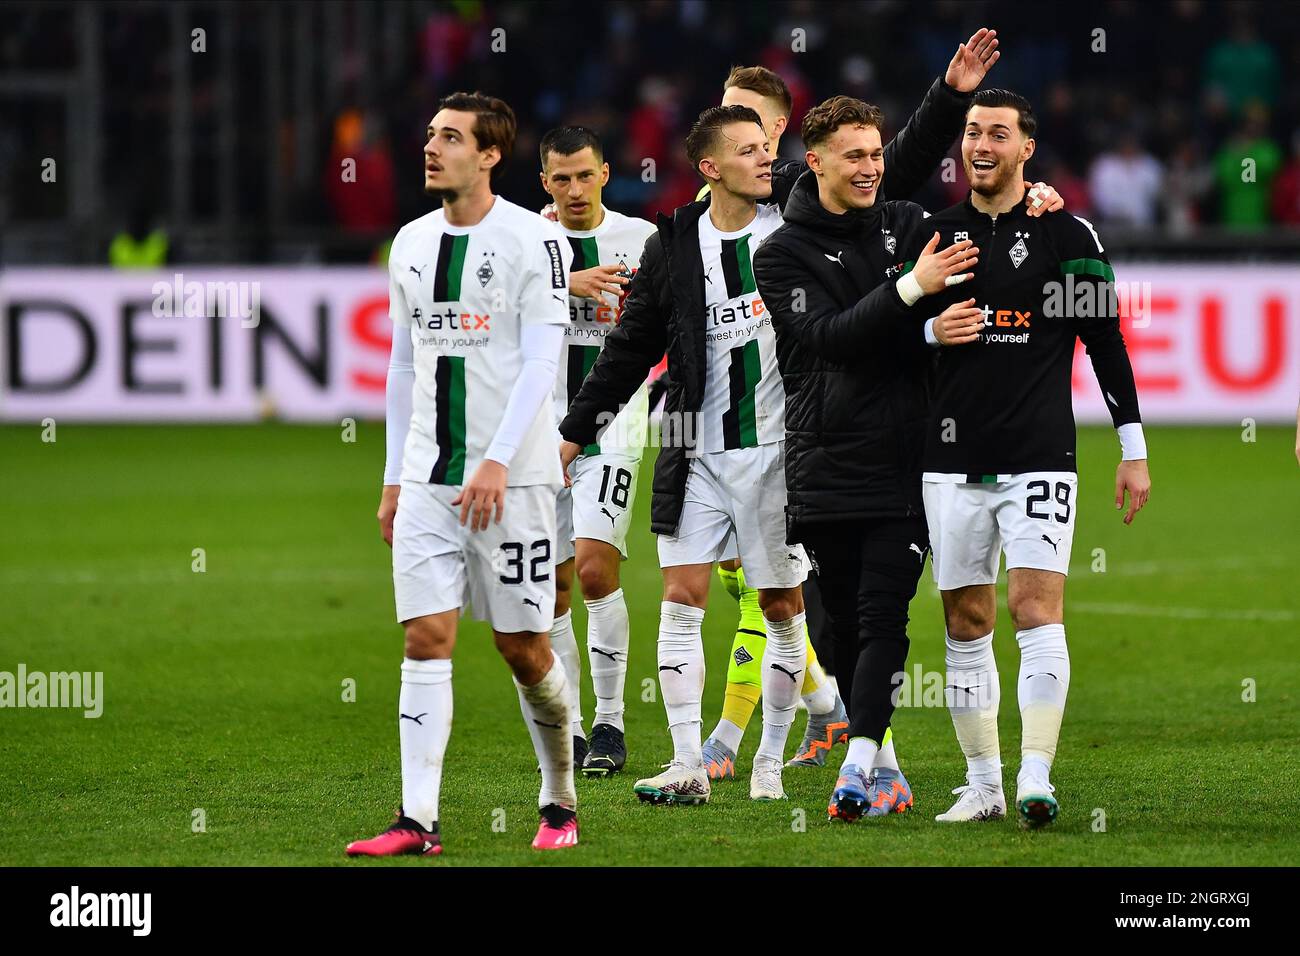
618	240
744	399
463	294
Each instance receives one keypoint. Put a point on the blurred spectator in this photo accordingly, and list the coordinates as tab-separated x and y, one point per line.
1243	68
1286	191
1244	169
1072	189
359	176
1188	181
1125	184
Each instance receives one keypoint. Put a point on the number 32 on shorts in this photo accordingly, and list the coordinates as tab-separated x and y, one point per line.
1041	493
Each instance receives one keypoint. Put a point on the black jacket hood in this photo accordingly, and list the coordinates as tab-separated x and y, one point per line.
805	208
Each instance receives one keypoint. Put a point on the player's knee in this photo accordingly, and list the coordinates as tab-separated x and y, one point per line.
425	641
527	656
780	605
968	622
679	592
597	578
1030	612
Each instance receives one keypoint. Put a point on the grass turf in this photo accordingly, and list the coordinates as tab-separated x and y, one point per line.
223	690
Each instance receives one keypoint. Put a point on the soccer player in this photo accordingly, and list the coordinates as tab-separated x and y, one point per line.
477	295
912	155
999	458
719	488
856	375
595	513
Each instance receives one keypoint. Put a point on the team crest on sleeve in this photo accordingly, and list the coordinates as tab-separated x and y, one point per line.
1019	252
557	264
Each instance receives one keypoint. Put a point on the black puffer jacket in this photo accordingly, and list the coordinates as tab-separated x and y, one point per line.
853	360
664	309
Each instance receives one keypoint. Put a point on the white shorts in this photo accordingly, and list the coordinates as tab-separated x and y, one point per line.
505	573
1029	516
599	505
735	507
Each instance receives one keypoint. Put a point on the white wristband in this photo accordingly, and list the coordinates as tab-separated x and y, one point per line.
1132	443
909	289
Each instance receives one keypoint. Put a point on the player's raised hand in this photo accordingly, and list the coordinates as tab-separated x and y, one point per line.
388	511
959	324
590	283
482	499
973	60
934	270
1041	198
1132	477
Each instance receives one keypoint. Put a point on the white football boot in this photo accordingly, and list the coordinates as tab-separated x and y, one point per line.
1034	801
975	803
677	784
765	780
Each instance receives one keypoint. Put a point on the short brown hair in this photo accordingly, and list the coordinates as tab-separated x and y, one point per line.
995	99
494	122
821	122
764	82
704	131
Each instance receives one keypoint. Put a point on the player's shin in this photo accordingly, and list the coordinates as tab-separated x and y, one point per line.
565	645
608	633
1042	688
424	724
547	713
973	691
784	661
681	677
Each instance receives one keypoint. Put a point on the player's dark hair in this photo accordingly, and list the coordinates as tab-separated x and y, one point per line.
821	122
1005	98
704	131
567	140
494	123
764	82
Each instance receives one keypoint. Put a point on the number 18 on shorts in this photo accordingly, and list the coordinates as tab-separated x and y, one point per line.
1030	517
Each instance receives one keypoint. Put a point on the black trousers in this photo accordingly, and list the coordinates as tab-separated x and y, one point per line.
867	572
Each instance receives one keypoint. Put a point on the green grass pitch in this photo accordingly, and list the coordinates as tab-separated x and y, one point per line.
224	689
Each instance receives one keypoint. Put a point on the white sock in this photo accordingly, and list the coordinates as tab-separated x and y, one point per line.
565	646
681	677
728	734
887	758
607	641
973	691
784	660
423	726
546	712
862	751
1043	685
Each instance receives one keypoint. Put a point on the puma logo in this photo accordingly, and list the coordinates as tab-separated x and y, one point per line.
419	272
836	258
677	668
542	724
1052	543
612	655
793	675
606	513
416	718
533	603
917	548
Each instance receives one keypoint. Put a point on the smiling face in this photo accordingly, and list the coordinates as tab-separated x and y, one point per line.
849	166
574	183
453	163
740	158
994	150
